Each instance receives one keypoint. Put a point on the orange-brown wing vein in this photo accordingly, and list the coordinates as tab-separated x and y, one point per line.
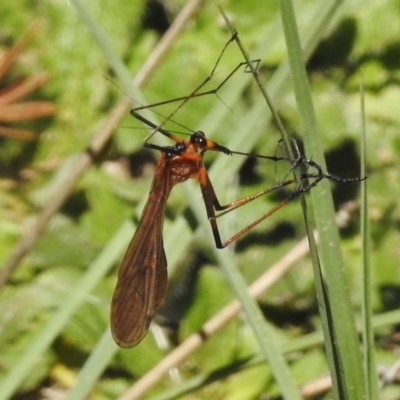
142	277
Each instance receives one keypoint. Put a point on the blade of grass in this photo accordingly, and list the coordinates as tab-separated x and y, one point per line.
93	367
95	273
339	328
370	367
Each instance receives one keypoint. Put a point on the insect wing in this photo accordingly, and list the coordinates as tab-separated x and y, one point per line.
142	278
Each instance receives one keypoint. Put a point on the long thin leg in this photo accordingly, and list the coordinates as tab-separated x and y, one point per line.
196	92
155	127
212	203
209	77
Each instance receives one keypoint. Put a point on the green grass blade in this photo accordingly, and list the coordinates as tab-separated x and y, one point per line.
99	268
101	38
344	357
370	367
93	367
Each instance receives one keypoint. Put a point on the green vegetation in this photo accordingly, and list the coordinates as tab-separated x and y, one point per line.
54	307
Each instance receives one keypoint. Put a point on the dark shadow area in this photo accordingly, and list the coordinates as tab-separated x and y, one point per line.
155	17
281	232
140	160
335	50
76	205
291	314
344	161
390	296
181	292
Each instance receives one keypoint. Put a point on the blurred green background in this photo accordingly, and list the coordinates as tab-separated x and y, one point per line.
359	39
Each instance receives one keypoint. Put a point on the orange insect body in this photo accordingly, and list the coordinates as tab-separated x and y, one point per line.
142	278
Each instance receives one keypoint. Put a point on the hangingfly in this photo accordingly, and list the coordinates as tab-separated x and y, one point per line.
142	277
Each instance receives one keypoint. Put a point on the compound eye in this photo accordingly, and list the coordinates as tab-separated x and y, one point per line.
199	138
